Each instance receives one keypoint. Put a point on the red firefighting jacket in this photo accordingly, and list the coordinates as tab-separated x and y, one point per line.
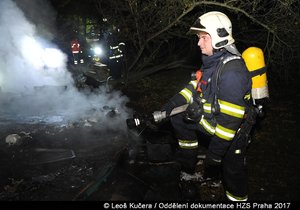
75	46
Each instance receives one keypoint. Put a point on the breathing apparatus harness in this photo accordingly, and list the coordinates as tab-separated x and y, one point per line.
195	109
215	105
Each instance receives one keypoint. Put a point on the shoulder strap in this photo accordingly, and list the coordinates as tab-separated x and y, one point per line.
221	67
215	104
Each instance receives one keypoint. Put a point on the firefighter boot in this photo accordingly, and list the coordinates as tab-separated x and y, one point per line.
187	158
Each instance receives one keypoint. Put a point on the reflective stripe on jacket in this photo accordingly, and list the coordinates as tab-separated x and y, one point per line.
234	85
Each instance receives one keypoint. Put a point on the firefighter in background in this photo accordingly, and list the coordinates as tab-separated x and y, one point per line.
218	103
76	51
116	56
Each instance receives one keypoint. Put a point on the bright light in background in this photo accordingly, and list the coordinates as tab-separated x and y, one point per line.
27	58
41	57
98	50
53	58
32	51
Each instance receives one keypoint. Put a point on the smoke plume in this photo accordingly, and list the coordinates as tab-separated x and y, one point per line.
34	79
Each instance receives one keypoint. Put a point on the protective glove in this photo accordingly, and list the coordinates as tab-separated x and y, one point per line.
212	166
194	112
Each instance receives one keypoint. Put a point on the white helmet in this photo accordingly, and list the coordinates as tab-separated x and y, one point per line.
218	25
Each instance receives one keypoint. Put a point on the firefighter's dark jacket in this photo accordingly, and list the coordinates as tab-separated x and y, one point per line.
233	91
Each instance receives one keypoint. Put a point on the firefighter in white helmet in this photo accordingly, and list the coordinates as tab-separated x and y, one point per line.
219	101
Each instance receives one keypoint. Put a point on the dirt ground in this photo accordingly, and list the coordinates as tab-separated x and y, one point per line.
55	162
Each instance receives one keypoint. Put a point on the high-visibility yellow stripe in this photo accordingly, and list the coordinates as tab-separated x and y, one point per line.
231	109
188	144
224	133
236	198
207	108
247	97
194	83
187	94
208	127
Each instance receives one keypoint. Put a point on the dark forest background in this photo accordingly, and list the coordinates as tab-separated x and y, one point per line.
155	31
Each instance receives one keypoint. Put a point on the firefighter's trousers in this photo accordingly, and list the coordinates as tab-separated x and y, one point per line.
77	57
235	176
234	162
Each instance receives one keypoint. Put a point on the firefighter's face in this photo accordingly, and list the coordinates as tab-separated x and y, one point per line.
205	43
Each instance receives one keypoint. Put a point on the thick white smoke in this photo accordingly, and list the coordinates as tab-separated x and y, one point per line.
30	64
24	55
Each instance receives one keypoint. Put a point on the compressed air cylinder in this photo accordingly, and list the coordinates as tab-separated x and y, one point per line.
255	62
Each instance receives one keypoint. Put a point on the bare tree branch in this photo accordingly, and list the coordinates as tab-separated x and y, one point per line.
159	33
146	24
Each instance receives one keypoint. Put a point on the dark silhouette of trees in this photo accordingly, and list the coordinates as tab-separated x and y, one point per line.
155	30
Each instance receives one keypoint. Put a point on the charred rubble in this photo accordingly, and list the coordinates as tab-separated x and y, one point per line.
46	155
50	159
